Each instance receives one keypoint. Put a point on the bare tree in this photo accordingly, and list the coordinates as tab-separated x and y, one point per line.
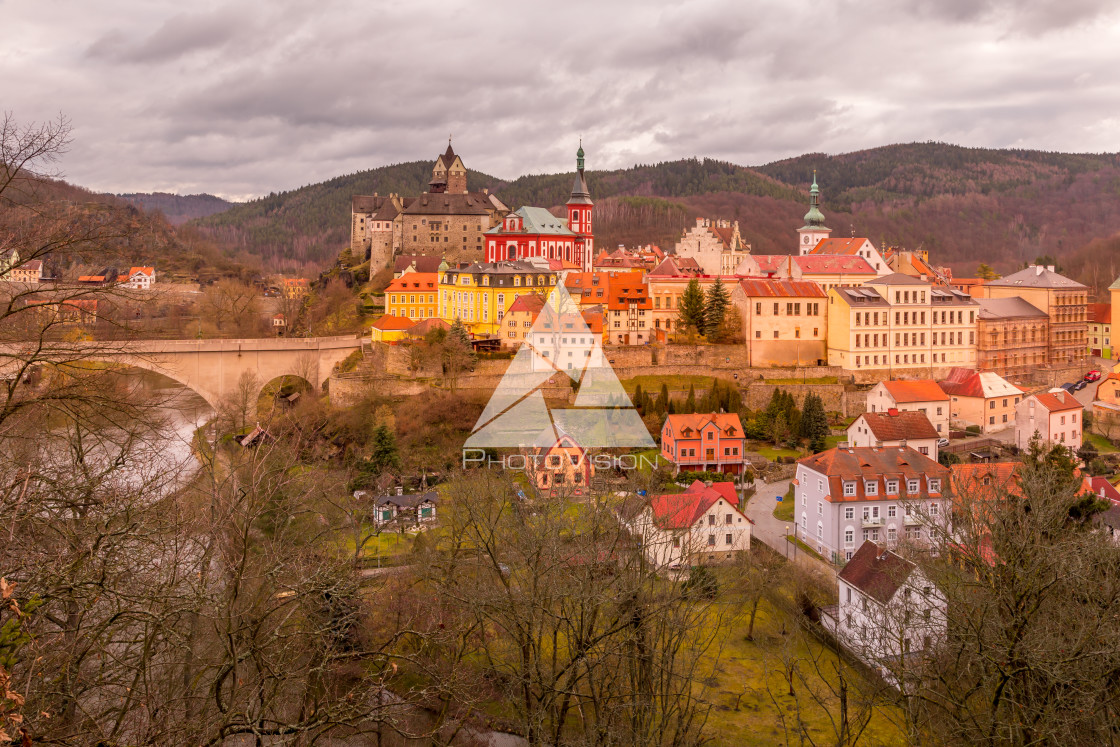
231	307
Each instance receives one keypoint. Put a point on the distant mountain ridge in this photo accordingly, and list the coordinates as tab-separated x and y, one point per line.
178	209
964	205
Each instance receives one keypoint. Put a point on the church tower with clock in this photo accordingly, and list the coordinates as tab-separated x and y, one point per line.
814	231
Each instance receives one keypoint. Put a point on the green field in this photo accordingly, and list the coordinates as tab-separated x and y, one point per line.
784	510
773	452
1102	444
677	384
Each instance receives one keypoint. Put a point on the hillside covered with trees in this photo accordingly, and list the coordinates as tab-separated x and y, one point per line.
1005	206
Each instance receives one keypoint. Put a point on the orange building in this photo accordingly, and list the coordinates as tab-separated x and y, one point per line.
629	317
519	319
707	442
414	295
563	469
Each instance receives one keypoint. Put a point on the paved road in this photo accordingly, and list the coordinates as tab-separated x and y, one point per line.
772	531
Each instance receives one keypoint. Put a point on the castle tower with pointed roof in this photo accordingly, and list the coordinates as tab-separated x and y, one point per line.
449	175
814	231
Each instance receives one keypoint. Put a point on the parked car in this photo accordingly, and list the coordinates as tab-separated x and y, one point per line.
1080	385
1069	387
942	443
1092	376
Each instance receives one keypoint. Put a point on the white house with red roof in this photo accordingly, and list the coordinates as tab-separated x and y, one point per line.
699	526
710	442
1056	416
895	428
924	396
843	497
888	611
139	278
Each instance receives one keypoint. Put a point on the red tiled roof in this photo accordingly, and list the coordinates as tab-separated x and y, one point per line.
1100	313
863	464
424	264
1058	401
1102	488
696	421
915	391
676	266
876	571
530	302
816	263
964	382
594	321
899	426
839	246
683	510
422	328
754	287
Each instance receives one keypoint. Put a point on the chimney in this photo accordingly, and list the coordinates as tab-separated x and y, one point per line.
1050	268
400	490
699	222
1038	269
892	411
485	190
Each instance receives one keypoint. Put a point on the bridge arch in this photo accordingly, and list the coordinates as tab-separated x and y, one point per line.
212	368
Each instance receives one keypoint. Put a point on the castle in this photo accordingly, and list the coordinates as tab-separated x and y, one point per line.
446	221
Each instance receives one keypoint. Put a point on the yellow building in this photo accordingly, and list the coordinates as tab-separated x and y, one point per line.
784	321
519	319
390	329
1065	301
414	295
480	294
1114	315
899	323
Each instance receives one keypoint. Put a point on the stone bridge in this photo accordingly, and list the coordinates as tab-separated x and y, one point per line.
212	368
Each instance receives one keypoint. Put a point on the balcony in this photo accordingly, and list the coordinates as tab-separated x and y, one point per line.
871	521
911	520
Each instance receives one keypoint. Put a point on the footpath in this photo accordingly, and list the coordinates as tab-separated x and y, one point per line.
772	531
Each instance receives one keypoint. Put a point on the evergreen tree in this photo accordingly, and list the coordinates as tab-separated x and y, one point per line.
690	311
715	308
458	332
814	423
985	272
385	455
690	401
639	401
734	400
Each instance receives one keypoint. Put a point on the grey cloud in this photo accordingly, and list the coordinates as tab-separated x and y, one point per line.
257	96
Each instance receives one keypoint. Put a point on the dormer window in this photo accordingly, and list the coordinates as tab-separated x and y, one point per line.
870	487
934	485
912	486
892	487
849	487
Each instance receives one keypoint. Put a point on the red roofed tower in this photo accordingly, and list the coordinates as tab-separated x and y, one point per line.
579	217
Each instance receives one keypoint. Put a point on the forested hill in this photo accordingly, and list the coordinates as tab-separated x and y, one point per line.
178	209
963	204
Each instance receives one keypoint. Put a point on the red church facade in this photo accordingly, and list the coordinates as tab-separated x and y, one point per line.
536	232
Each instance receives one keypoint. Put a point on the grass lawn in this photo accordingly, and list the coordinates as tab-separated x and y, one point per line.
784	510
831	441
387	544
1102	444
772	453
800	543
749	694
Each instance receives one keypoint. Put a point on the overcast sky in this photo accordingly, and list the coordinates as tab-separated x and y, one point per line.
240	99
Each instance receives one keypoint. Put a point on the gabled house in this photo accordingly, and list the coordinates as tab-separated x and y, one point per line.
563	469
403	508
390	328
699	526
888	612
712	442
922	396
138	278
981	398
895	428
1056	416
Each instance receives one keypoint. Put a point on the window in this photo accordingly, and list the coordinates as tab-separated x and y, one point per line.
820	508
849	487
870	487
891	511
912	486
711	520
711	540
727	519
849	513
727	539
849	537
933	509
892	487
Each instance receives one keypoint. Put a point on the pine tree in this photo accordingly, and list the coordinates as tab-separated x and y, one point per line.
690	401
639	401
458	332
814	423
384	454
734	400
690	311
715	308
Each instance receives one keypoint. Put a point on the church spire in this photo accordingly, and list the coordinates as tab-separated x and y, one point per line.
814	218
580	194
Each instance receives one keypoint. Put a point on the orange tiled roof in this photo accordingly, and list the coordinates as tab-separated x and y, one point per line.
899	425
414	281
915	391
1058	401
864	464
530	302
839	246
389	323
696	421
1100	313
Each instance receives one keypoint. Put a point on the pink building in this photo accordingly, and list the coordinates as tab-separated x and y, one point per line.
705	442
